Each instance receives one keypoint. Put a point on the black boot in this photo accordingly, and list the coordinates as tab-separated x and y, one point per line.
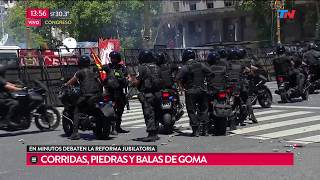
120	130
204	131
75	135
195	131
253	119
113	130
152	137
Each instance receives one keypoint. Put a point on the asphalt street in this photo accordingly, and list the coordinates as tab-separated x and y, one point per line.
279	126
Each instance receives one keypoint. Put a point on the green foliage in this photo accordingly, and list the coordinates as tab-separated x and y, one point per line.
261	13
90	21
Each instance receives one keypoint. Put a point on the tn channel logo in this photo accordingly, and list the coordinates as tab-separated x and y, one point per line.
34	159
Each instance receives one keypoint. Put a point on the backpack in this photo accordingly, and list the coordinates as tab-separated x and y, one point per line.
90	83
195	74
166	76
153	81
115	79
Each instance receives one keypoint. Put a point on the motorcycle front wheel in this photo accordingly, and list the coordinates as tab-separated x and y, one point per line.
49	119
67	124
265	99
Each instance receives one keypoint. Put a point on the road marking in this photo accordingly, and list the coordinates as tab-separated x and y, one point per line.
296	107
287	132
184	118
306	140
267	118
267	112
132	122
275	125
132	117
133	113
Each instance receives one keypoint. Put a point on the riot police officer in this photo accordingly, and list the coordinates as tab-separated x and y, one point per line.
91	92
295	72
148	83
236	55
6	100
192	77
312	55
116	83
167	72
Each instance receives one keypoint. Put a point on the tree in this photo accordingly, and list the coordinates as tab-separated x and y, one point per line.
261	13
90	21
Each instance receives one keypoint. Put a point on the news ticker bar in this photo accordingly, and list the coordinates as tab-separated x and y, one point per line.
159	159
91	148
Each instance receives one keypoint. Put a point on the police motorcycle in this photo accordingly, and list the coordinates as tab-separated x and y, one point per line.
220	106
32	106
237	80
100	127
311	59
287	84
257	88
170	112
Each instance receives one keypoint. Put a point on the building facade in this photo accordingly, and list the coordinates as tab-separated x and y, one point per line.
188	23
195	23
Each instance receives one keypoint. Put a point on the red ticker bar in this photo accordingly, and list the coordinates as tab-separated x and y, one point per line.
38	13
160	159
33	22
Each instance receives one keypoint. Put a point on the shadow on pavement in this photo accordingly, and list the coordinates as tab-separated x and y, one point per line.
8	134
88	137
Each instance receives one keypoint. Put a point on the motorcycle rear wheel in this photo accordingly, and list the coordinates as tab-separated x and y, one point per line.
220	126
102	130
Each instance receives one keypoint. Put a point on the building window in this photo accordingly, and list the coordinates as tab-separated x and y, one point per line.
229	3
192	27
210	4
176	6
193	6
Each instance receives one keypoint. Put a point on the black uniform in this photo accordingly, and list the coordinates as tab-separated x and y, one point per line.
116	83
192	76
149	96
7	102
312	58
91	93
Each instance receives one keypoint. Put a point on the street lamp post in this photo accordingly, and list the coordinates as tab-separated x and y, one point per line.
146	31
278	5
2	25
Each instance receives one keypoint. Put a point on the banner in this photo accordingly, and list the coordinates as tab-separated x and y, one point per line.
106	46
159	159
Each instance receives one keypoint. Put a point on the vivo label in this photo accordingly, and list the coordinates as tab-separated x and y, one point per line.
33	22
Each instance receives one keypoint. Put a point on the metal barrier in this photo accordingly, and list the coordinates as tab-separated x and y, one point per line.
47	66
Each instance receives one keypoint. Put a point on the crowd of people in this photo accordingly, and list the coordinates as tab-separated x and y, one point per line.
198	79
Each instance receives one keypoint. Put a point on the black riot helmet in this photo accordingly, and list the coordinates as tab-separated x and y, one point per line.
3	70
161	58
145	56
232	54
115	57
188	54
241	53
84	61
222	52
312	45
213	57
280	49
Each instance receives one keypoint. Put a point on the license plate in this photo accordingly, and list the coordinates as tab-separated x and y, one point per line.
166	105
